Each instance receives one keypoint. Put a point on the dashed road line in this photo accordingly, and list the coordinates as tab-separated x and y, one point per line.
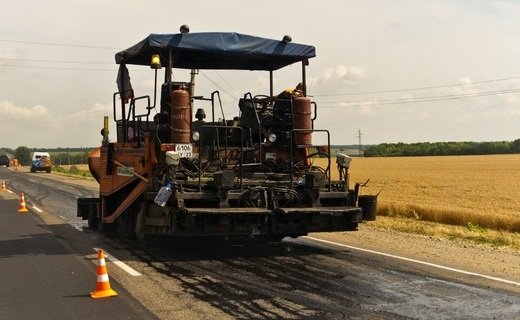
110	257
120	264
418	262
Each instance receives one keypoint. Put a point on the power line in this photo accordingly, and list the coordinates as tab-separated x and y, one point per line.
417	88
224	80
59	44
56	61
216	84
383	102
426	97
379	101
54	68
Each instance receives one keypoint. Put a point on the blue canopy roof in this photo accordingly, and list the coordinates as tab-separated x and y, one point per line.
217	50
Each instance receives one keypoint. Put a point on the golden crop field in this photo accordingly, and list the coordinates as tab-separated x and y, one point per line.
80	167
458	190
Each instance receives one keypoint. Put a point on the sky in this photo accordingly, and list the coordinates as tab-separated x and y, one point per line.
388	71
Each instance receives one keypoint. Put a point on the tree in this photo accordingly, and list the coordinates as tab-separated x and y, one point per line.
23	154
515	146
442	148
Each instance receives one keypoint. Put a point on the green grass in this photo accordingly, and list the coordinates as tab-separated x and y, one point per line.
472	233
73	171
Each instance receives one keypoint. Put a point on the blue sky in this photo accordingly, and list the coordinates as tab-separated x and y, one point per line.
399	71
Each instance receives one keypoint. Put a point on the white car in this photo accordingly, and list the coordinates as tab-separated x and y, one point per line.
41	161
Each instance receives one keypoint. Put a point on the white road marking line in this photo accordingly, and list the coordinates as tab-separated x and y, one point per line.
120	264
117	262
418	262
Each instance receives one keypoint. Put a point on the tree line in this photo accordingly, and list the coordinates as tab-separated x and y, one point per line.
59	156
70	156
442	148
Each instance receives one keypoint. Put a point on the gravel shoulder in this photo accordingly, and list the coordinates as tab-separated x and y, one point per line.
500	262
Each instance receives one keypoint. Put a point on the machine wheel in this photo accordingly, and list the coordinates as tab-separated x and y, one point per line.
125	223
139	223
271	238
93	222
277	237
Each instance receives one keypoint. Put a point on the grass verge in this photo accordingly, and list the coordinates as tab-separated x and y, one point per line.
472	233
450	216
72	171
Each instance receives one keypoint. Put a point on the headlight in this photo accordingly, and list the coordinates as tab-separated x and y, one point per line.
195	136
271	137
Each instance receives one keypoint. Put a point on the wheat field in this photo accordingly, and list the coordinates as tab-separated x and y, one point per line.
458	190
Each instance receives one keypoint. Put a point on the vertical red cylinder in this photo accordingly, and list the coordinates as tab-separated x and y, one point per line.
302	120
180	116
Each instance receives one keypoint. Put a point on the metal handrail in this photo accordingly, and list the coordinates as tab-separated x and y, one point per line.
241	169
258	121
293	131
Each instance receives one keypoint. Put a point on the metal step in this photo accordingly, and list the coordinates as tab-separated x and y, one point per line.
227	211
328	211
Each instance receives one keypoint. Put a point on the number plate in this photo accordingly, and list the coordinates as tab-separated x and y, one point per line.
184	150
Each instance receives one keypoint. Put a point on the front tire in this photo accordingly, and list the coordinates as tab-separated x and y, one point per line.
139	223
125	223
93	222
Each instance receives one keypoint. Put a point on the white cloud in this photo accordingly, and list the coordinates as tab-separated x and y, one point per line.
9	111
23	125
339	77
94	113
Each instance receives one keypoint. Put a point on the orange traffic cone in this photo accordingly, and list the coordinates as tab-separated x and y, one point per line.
3	186
22	208
103	289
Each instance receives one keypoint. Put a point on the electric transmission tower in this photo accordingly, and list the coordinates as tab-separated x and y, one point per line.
360	151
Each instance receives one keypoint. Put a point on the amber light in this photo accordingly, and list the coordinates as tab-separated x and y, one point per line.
156	62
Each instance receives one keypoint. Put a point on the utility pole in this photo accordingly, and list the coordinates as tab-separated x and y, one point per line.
359	143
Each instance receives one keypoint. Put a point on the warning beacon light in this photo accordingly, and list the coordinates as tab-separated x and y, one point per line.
156	62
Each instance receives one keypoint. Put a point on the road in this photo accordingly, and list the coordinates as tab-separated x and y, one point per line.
43	277
295	279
